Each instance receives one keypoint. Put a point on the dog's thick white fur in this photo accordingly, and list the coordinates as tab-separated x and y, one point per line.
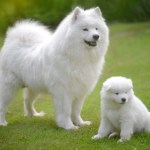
121	111
66	64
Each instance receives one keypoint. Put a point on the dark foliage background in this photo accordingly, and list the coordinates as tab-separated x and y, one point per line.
51	12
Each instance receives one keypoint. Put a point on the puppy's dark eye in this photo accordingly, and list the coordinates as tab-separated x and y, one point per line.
116	93
85	29
96	28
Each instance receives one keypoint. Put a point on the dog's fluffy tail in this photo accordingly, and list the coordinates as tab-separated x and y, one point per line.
28	33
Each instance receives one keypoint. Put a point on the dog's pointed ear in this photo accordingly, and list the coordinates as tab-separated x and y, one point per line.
76	13
106	86
98	11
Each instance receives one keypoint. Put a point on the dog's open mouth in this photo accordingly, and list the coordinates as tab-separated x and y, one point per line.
90	43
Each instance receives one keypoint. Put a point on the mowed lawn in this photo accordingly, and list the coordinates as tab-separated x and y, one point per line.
128	55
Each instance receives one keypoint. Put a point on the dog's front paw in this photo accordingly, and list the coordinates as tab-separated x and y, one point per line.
79	122
3	123
71	127
65	123
85	123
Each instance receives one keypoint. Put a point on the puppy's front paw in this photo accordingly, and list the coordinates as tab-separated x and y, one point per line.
120	141
124	139
96	137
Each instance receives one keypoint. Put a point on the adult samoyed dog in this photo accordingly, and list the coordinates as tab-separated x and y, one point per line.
121	111
65	64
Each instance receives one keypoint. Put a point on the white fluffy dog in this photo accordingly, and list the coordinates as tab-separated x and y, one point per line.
121	111
66	64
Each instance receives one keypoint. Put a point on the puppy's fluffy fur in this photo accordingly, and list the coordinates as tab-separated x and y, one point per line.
121	111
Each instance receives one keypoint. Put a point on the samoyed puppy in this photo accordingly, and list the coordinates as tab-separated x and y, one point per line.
66	64
121	111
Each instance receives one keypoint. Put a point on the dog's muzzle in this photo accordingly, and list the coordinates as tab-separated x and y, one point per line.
94	41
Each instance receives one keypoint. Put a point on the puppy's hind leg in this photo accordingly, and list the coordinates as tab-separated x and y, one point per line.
104	130
29	100
113	134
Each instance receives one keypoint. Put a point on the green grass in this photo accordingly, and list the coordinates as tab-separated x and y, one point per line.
128	55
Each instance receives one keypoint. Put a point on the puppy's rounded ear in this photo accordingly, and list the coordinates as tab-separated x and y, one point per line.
76	13
131	84
106	86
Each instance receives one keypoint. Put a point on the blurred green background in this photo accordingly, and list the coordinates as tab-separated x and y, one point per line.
129	53
50	12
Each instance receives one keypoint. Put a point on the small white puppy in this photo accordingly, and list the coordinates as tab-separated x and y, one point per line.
121	111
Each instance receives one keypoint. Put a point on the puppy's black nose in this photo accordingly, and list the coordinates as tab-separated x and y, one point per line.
95	36
123	99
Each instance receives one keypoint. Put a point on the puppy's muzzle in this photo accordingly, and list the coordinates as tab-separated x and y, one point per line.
123	100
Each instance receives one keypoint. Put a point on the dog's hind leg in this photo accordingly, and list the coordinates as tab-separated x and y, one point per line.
29	100
8	86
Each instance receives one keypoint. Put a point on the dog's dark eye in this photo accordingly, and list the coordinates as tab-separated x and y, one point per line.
85	29
96	28
116	93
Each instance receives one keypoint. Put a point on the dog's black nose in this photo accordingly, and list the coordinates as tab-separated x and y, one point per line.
95	36
123	99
